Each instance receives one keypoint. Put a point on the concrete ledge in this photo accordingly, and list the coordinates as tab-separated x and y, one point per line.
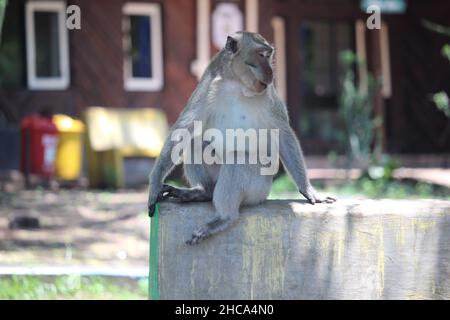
354	249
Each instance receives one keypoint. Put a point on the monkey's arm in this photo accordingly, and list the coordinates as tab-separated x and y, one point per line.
163	166
165	162
292	158
291	155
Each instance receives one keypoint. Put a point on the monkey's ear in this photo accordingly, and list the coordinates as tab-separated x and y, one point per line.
232	45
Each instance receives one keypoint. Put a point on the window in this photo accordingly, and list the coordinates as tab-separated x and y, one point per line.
143	62
47	45
322	42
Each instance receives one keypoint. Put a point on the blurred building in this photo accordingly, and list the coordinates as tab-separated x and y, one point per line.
137	54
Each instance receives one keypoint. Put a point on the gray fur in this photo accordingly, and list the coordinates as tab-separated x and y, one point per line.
245	78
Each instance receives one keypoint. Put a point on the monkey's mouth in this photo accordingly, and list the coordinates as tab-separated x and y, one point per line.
262	84
259	86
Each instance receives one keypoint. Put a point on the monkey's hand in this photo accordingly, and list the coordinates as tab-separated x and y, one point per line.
315	197
153	198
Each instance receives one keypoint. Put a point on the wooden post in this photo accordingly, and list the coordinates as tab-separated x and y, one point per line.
375	65
3	4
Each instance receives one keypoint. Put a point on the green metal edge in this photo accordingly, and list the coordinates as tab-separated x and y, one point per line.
153	285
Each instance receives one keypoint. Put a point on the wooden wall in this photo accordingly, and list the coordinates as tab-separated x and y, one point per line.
97	57
96	61
418	69
412	122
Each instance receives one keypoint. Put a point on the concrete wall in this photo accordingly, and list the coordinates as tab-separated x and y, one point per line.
292	250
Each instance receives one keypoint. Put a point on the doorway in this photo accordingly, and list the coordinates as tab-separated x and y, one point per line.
321	42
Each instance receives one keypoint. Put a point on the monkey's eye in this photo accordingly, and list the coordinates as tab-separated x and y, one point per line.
263	54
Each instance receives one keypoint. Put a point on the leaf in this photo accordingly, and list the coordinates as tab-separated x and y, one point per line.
441	101
446	51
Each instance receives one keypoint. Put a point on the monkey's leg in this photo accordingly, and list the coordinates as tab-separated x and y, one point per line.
212	227
237	185
196	194
227	198
201	180
202	175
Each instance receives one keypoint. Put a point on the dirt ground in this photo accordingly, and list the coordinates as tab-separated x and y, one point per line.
77	227
97	228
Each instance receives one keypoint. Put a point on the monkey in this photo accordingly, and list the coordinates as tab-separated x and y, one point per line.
235	91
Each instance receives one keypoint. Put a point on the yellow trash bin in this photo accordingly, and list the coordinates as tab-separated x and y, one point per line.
69	154
116	134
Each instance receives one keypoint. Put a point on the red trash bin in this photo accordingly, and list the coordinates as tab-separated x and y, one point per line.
39	139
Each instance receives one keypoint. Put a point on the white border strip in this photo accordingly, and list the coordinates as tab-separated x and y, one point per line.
156	82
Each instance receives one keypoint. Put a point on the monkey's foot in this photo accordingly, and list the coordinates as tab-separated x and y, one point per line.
151	209
184	195
212	227
166	192
162	195
197	236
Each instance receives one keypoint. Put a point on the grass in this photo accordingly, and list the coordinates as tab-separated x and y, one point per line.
365	187
391	190
71	287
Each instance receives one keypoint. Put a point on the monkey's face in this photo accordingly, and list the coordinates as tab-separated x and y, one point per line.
252	61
